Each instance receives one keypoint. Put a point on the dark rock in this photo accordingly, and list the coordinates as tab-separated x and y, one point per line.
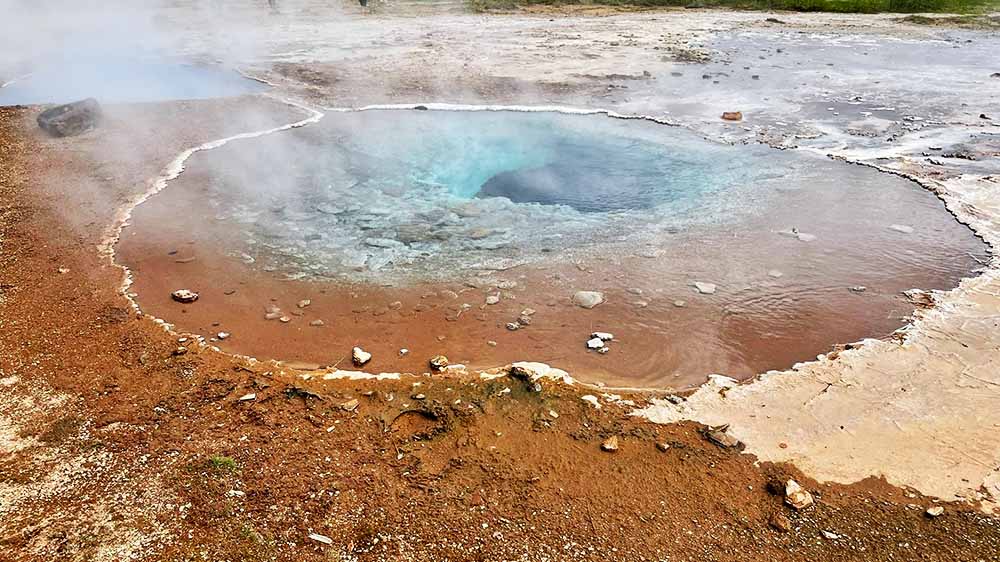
774	20
71	119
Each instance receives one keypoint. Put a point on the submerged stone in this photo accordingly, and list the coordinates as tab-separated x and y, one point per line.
71	119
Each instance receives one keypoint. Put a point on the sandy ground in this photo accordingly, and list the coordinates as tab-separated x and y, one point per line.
113	438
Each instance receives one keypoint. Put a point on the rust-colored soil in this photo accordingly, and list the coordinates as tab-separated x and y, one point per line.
114	446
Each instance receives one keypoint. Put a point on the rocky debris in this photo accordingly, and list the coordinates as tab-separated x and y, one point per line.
901	228
360	356
610	444
705	288
732	116
71	119
780	522
350	405
317	323
796	496
935	511
438	363
184	296
588	299
721	437
247	397
321	538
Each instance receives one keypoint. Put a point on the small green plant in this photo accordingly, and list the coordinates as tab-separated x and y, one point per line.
221	463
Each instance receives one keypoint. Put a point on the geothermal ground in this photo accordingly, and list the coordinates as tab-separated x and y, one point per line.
125	433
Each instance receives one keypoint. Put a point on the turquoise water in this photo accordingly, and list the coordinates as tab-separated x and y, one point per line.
402	195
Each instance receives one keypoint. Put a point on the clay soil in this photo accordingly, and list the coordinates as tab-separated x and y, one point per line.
115	445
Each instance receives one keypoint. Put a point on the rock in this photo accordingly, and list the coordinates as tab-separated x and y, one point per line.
360	356
303	303
705	288
775	273
71	119
180	350
284	320
603	336
491	343
222	335
857	289
995	75
272	316
662	446
680	304
513	326
720	437
528	312
935	511
248	397
595	343
419	396
984	116
604	350
592	400
350	405
588	299
403	352
901	228
184	296
830	536
438	363
796	496
316	323
492	299
780	522
774	20
524	320
610	444
320	538
732	116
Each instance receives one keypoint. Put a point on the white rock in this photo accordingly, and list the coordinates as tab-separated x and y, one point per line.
796	496
588	299
705	288
830	536
222	335
247	397
184	296
595	343
901	228
802	236
775	273
320	538
604	336
403	352
935	511
680	304
592	400
360	356
492	299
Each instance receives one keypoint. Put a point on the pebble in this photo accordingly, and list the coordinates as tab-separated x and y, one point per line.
528	312
320	538
680	304
491	343
705	288
775	273
796	496
403	352
439	363
588	299
180	350
595	343
418	396
272	316
360	356
732	115
830	535
303	303
604	350
603	336
492	299
857	289
935	511
901	228
780	522
184	296
513	326
316	323
222	335
247	397
662	446
284	320
350	405
610	444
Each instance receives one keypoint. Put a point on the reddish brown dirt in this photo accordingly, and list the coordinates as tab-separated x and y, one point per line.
494	477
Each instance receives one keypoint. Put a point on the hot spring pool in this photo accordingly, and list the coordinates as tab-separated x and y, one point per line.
432	230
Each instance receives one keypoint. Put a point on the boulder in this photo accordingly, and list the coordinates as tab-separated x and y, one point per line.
71	119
